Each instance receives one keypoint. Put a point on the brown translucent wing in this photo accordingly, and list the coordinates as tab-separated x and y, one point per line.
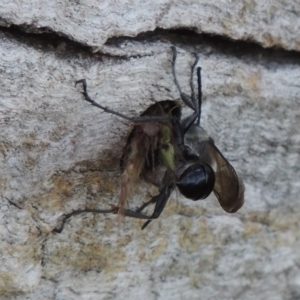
229	188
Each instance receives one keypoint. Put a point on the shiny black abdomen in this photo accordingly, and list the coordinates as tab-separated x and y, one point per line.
196	182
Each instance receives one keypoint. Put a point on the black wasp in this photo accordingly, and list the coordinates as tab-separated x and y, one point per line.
161	140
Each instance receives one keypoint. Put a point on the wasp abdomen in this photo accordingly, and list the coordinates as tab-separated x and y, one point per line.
196	182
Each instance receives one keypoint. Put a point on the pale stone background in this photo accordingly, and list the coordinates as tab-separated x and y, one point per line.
58	153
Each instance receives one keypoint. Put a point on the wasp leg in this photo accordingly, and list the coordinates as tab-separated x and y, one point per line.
189	121
151	201
113	210
161	200
189	101
193	97
143	119
199	94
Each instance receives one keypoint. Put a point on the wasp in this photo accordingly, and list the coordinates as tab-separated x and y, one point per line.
190	160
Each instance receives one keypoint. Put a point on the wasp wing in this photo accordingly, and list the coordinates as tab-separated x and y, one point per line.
228	188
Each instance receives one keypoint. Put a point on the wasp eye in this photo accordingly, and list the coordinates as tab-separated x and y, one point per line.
196	182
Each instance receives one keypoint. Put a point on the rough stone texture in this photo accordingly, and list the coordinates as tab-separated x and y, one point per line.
270	23
58	153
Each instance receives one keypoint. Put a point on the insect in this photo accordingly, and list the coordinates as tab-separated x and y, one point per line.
189	157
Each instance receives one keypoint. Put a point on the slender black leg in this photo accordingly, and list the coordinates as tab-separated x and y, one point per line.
192	82
151	201
199	94
112	210
191	102
143	119
185	98
161	200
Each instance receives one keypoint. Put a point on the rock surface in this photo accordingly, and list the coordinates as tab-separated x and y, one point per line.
58	153
92	22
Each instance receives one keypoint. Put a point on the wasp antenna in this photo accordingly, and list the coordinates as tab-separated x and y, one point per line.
142	119
94	103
